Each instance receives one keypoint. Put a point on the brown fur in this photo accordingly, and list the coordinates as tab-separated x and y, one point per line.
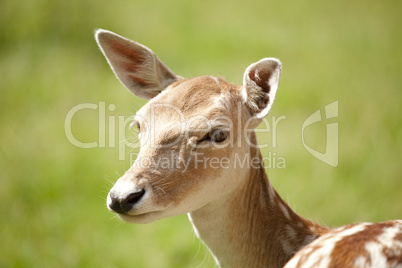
364	248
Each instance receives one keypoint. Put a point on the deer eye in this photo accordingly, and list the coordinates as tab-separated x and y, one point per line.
216	136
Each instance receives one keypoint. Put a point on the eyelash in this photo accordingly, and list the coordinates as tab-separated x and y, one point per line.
213	135
216	135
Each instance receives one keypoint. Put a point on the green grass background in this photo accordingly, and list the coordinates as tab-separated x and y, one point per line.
52	194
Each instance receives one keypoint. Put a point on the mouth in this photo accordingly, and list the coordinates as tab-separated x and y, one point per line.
135	207
142	218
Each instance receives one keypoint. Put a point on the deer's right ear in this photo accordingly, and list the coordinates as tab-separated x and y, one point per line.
260	84
136	66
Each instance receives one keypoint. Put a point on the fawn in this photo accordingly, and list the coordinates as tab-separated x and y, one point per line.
234	209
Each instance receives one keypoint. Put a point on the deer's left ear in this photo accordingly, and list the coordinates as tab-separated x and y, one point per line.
260	84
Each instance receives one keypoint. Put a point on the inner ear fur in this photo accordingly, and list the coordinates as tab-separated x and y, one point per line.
260	84
136	66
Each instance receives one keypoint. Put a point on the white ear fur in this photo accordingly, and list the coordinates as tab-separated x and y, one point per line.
260	84
136	66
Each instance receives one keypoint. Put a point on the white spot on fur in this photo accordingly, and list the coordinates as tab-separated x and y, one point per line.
321	257
375	250
388	236
386	240
361	261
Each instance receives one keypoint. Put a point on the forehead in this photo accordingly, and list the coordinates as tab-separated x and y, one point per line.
191	97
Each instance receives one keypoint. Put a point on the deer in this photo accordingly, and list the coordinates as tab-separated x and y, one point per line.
202	125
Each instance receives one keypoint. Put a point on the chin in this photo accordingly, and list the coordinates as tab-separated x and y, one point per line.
141	218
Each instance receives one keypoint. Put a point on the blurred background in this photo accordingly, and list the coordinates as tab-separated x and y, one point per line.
52	193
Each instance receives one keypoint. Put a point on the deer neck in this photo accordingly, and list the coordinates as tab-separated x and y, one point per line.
252	226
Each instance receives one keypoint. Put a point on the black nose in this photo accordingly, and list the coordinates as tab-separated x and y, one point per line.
124	205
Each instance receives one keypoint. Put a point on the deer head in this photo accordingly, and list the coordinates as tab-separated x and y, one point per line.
190	131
